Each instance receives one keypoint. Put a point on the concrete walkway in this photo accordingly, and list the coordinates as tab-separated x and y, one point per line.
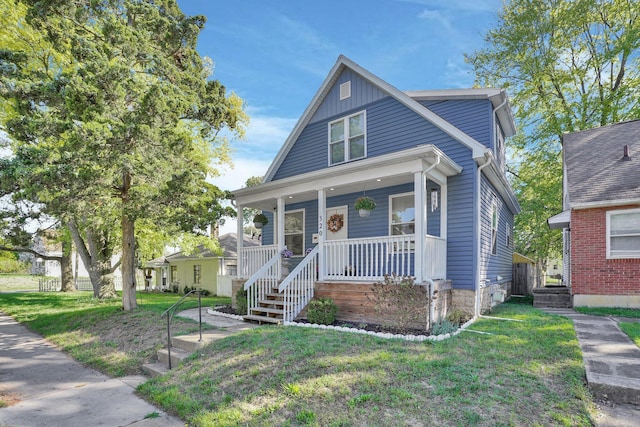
612	363
48	388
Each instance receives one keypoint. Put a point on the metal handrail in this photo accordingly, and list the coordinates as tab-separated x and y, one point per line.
171	311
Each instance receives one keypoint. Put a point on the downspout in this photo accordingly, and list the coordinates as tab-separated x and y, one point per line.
478	231
430	281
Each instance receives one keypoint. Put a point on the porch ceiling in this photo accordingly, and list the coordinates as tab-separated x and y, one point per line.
374	172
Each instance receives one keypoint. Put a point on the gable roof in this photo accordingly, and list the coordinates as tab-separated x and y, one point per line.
227	244
343	62
498	98
596	172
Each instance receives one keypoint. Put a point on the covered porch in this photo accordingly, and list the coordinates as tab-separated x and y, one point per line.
388	245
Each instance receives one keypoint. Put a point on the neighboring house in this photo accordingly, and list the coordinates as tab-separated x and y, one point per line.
434	163
203	269
601	215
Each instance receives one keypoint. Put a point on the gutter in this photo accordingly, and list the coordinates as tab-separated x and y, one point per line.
478	231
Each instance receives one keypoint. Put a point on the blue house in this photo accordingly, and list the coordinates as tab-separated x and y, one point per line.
434	163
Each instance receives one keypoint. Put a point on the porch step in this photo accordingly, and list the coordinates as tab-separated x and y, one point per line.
272	295
262	319
269	310
272	302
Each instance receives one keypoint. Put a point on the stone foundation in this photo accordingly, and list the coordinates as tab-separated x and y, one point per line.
465	299
626	301
236	285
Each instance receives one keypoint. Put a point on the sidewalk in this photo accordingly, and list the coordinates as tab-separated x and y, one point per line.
612	363
51	389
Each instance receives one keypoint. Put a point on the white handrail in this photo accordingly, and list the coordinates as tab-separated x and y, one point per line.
262	281
253	258
298	286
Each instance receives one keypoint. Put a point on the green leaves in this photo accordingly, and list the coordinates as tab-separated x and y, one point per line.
568	65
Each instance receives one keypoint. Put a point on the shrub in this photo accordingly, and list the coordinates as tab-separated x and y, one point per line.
186	290
241	301
12	266
322	311
400	301
443	327
458	317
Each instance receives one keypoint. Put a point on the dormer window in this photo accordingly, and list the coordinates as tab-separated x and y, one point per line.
348	139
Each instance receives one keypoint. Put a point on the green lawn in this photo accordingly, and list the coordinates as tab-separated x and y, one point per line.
19	282
98	333
518	373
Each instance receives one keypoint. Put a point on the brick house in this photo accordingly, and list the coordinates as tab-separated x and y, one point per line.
601	215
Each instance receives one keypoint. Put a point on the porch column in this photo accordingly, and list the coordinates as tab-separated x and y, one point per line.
278	236
443	210
278	232
419	195
239	241
322	208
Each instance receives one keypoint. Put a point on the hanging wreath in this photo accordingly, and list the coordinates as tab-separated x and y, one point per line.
335	222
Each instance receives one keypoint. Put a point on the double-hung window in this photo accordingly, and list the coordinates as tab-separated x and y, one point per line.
494	228
623	233
294	232
348	139
402	214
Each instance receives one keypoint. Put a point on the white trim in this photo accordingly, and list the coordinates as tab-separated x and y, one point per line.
284	229
391	197
346	137
623	254
396	163
605	204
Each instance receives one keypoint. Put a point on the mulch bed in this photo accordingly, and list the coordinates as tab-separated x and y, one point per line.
374	327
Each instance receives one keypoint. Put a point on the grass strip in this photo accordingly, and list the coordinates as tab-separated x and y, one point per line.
98	333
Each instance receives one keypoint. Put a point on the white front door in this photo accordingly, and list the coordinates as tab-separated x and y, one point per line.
337	258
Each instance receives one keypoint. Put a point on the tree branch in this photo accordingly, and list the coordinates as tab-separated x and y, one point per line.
31	251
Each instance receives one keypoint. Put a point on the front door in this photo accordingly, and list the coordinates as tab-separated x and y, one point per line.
337	259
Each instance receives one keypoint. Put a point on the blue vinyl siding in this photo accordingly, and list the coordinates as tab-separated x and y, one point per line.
472	116
362	93
391	126
500	264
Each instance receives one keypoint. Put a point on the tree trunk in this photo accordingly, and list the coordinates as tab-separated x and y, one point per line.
128	264
66	268
97	261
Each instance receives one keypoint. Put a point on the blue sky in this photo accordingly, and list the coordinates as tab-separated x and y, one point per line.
275	55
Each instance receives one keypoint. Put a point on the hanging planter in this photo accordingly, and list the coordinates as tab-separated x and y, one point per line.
364	205
260	220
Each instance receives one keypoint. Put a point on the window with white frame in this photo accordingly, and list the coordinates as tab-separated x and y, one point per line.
623	233
294	232
348	139
402	214
494	227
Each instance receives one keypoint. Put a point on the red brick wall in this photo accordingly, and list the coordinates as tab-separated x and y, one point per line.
591	272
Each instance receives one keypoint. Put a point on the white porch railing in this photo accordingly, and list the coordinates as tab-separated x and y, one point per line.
298	285
372	258
435	258
253	258
262	282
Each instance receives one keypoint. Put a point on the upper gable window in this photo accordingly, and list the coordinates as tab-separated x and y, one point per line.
348	139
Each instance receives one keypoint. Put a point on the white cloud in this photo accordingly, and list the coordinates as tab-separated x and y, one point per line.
460	5
436	16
